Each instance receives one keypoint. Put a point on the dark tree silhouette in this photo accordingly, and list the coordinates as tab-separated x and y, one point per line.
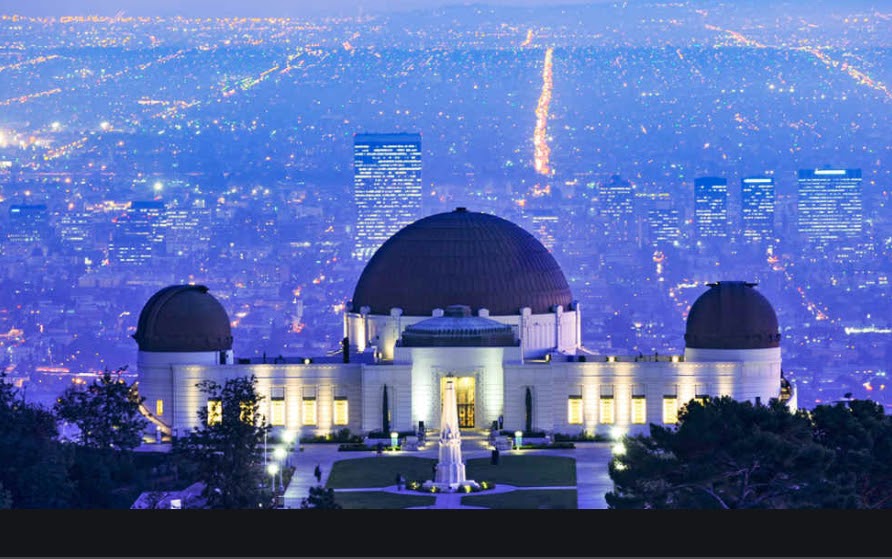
227	452
724	454
106	412
385	413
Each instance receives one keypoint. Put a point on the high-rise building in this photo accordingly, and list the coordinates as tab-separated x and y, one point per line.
138	234
664	225
757	208
28	224
711	209
386	187
829	206
617	209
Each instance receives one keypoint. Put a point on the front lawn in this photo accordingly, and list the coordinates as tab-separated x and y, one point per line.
525	499
524	471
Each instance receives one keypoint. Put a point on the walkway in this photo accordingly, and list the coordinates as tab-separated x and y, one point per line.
592	480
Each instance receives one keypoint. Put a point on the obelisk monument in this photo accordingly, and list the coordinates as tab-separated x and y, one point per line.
450	468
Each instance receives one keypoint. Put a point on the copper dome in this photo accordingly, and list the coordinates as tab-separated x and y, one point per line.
461	258
732	315
183	318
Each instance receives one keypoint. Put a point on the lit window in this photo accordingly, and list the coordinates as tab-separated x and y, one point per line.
639	410
277	406
607	410
159	407
246	412
341	410
308	416
574	410
670	409
215	412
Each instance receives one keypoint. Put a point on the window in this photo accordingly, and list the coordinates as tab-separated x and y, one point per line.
670	409
639	410
607	410
574	410
246	412
277	406
159	407
215	411
308	412
341	410
701	395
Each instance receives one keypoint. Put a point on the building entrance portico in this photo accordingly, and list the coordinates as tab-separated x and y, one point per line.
465	390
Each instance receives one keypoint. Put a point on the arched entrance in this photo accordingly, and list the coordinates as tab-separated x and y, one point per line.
465	395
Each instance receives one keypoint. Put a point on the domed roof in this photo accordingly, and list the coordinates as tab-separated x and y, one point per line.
183	318
461	258
732	315
458	328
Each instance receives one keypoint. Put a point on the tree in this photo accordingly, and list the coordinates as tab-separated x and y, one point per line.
106	412
34	464
724	454
385	413
528	407
859	435
320	498
227	452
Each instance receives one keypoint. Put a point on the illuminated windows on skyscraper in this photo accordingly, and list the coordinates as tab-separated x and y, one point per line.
387	187
757	208
829	205
711	208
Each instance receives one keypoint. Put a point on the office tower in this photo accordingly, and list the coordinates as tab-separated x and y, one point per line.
74	230
617	209
711	209
757	209
28	226
544	225
187	229
386	187
138	233
664	225
829	206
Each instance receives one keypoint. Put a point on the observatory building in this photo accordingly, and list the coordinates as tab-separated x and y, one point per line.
475	299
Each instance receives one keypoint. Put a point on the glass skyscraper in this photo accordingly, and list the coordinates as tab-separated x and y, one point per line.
757	208
711	209
829	206
386	187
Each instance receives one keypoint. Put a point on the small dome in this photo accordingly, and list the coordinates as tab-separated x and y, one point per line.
732	315
473	258
457	328
183	318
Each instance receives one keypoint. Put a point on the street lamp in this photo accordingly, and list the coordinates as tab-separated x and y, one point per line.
393	439
272	469
280	453
518	439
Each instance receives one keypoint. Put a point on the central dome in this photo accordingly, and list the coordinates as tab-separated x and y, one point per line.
461	258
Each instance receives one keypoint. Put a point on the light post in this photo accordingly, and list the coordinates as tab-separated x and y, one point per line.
279	454
273	469
518	439
393	439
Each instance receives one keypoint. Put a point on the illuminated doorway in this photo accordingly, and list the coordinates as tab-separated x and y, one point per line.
465	388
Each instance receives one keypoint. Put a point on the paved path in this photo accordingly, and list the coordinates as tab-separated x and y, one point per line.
592	481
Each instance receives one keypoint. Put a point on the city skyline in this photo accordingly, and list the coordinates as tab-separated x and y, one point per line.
248	158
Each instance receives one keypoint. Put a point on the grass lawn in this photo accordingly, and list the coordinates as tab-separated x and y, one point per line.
525	499
525	471
381	500
378	471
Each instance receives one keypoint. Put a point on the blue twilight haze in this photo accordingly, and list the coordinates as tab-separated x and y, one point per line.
651	146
